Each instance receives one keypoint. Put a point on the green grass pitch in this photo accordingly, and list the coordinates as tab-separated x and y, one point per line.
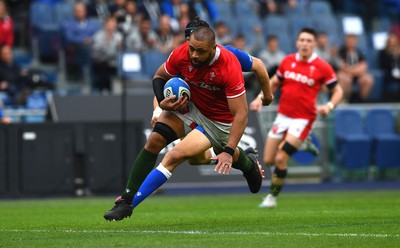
323	219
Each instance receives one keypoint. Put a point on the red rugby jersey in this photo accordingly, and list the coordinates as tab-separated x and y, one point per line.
210	85
302	80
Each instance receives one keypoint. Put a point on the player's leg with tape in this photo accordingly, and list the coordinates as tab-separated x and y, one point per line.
194	143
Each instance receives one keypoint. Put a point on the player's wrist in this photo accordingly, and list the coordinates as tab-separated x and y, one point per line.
330	105
229	150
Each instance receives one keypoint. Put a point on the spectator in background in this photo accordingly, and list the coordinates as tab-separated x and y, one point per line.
151	10
143	38
3	118
240	42
6	26
223	34
327	52
14	80
99	9
205	9
268	7
183	21
354	69
271	55
78	33
389	63
171	8
165	36
131	19
175	9
105	49
117	9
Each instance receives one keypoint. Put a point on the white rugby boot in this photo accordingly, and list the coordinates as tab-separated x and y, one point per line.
268	202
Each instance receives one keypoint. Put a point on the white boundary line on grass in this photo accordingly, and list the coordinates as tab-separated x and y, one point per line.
210	233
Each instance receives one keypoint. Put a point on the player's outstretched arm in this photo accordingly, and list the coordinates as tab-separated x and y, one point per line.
257	103
263	79
337	95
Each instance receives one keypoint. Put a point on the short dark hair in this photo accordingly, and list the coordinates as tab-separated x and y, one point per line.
308	30
193	24
204	34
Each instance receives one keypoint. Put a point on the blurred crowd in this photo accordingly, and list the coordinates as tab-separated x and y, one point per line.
93	33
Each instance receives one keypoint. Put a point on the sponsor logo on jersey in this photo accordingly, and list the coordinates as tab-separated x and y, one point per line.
206	86
298	77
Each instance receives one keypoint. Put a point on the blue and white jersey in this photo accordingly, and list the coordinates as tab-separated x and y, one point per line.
244	58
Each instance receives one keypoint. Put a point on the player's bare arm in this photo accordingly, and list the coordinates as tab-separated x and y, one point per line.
263	79
257	103
337	95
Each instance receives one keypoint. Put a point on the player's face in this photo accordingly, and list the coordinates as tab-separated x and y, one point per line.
305	44
200	52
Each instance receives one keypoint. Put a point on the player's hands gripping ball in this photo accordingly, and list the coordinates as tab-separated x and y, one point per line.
176	93
176	87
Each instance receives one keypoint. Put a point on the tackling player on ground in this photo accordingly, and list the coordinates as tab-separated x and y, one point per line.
300	76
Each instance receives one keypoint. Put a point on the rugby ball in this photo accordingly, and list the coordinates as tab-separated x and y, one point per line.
176	87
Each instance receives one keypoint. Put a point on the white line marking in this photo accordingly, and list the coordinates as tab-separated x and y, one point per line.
211	233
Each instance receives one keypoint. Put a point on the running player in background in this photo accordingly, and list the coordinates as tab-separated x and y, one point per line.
300	76
217	107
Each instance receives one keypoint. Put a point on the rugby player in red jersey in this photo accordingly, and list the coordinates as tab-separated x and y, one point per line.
300	76
217	106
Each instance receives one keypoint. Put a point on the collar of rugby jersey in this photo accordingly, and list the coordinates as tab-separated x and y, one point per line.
313	57
216	56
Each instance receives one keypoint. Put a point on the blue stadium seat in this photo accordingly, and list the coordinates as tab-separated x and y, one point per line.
286	43
380	124
382	24
320	8
377	90
22	58
152	60
328	25
296	23
44	30
246	24
274	24
42	17
128	71
225	10
63	11
352	145
243	8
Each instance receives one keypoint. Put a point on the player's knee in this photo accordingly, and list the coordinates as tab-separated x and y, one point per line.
281	160
166	132
175	156
155	144
268	160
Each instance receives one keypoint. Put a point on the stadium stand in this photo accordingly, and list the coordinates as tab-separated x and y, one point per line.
380	124
320	9
152	60
353	145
